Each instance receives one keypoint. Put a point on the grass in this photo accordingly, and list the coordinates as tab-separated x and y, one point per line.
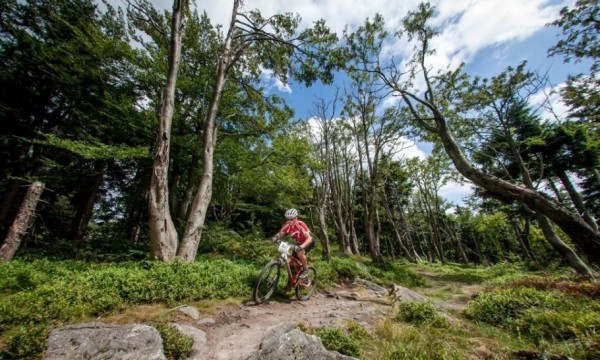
516	309
38	294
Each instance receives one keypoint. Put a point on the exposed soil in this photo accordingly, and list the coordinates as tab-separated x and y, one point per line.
239	329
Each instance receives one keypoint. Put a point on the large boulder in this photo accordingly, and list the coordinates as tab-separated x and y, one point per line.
286	343
98	341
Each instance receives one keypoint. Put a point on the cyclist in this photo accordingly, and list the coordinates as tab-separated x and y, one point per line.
301	233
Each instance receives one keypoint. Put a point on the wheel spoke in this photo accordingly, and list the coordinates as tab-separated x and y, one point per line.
306	286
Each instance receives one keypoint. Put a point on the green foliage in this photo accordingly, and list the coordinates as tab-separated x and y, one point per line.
394	272
26	342
561	325
350	267
420	312
500	307
541	315
336	339
95	151
74	289
175	344
438	352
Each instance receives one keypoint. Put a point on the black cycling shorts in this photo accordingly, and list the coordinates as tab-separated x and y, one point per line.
308	248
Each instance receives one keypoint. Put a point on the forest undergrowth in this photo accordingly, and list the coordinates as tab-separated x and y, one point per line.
516	308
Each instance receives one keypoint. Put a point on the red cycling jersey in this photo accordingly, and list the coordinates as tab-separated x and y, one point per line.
298	231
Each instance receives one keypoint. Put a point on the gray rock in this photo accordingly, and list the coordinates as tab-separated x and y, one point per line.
197	335
379	290
98	341
190	311
400	293
294	344
206	322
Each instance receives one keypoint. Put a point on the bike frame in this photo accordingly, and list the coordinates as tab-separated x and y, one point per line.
288	261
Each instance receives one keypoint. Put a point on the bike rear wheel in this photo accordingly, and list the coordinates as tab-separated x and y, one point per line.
267	281
305	287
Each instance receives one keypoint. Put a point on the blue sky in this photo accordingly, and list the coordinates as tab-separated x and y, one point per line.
488	35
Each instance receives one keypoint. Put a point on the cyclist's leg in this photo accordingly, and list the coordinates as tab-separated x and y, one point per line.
302	256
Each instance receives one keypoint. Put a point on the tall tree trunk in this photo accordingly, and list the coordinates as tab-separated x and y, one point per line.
163	236
371	218
193	229
523	239
85	212
188	195
577	200
8	199
21	222
567	253
323	231
394	224
556	191
321	208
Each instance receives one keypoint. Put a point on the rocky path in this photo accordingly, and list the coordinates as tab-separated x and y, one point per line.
237	331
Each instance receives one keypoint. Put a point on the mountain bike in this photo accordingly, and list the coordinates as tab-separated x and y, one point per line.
270	275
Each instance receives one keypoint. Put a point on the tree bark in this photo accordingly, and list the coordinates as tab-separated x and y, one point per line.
8	199
21	222
193	229
567	253
163	236
523	237
85	212
577	200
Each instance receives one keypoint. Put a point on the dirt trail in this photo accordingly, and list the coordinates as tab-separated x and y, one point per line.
239	329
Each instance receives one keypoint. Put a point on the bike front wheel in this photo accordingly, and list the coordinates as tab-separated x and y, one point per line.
267	281
305	287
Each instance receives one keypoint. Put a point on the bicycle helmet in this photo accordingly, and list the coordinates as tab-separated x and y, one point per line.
291	213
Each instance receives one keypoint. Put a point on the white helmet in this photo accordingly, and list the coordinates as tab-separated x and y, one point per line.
291	213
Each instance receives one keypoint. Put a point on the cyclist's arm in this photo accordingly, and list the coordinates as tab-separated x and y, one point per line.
308	237
281	233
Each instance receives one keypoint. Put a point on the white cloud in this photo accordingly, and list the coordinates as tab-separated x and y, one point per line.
454	192
470	26
409	149
549	104
271	81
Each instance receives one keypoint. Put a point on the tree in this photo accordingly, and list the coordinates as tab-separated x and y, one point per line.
66	86
434	110
248	45
580	25
22	221
513	125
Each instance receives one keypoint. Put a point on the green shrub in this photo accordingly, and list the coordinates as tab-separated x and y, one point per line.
349	268
435	351
395	273
97	289
26	342
175	344
561	325
420	312
356	331
336	339
500	307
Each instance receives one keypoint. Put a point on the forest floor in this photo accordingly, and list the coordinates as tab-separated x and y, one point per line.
238	329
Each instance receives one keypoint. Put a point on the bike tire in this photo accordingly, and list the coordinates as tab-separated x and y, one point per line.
303	290
267	281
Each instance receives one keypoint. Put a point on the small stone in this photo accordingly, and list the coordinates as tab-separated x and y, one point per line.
206	322
190	311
